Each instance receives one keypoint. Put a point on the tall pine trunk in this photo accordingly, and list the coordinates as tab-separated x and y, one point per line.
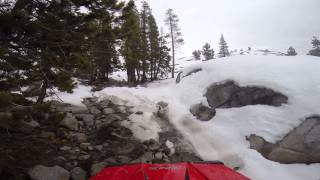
43	91
172	43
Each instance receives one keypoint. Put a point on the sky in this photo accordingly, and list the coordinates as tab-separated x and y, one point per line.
260	24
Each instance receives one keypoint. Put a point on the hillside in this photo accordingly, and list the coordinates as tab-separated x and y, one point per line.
224	136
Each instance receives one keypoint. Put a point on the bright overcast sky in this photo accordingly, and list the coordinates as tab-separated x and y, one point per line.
272	24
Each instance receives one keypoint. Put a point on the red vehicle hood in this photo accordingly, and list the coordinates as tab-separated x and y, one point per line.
175	171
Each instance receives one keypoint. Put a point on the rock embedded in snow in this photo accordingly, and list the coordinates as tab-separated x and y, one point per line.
162	109
41	172
201	112
70	122
228	94
186	73
301	145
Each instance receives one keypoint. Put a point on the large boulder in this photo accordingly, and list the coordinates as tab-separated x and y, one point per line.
41	172
301	145
201	112
229	94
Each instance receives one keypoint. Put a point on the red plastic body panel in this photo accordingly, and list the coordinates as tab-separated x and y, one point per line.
175	171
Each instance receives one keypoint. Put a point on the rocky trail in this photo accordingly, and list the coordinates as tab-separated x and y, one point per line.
86	139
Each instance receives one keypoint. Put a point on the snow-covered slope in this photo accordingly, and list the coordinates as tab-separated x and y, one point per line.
224	136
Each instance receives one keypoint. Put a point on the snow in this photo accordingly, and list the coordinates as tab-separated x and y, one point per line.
224	137
119	75
76	97
143	126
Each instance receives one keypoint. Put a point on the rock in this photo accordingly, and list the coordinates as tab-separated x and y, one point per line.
71	165
88	119
301	145
60	160
98	147
90	148
84	157
158	155
70	122
203	113
80	137
124	149
139	113
287	156
78	173
47	135
90	101
148	156
122	109
65	148
117	101
97	167
229	94
256	142
108	111
152	144
186	73
123	159
29	126
84	146
104	103
94	110
40	172
68	108
162	111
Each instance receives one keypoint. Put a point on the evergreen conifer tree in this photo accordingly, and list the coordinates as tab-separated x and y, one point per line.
197	54
175	34
291	51
315	51
131	49
223	52
207	52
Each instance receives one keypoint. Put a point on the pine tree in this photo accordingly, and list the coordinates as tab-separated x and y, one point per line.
207	52
175	34
144	40
163	64
47	44
223	52
197	54
291	51
102	38
131	49
315	47
154	40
